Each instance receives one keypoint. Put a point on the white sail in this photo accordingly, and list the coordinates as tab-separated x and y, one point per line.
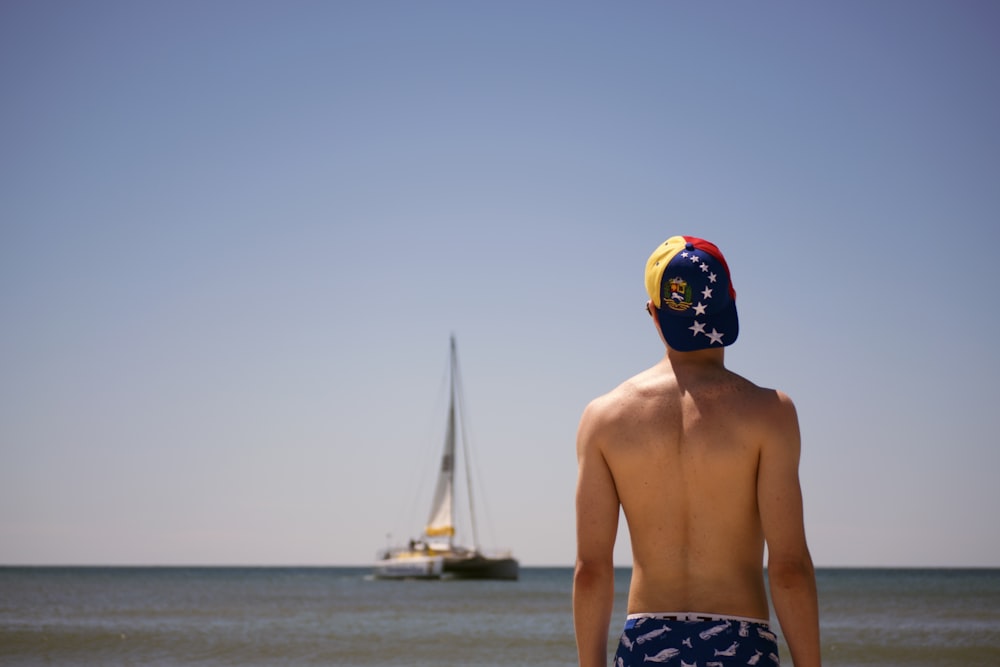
442	521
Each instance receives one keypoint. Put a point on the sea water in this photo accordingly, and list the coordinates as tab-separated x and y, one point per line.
341	616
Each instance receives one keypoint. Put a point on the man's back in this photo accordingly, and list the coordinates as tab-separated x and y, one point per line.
683	443
704	465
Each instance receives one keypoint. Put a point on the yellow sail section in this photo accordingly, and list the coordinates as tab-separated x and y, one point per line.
439	531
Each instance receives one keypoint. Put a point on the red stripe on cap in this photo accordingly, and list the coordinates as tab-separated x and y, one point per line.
713	250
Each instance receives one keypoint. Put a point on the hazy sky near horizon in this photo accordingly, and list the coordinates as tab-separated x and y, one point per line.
236	235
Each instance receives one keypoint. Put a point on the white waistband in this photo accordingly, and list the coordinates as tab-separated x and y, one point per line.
695	616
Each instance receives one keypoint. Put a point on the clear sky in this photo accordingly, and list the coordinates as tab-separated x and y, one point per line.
235	237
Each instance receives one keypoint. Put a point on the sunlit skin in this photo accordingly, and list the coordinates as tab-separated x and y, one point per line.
704	465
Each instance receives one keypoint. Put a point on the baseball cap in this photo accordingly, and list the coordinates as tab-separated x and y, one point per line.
688	281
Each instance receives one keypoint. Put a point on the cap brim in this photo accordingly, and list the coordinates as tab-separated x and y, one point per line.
687	333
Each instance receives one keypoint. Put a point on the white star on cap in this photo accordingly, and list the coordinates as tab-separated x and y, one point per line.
697	328
715	337
712	277
707	293
694	258
703	267
700	309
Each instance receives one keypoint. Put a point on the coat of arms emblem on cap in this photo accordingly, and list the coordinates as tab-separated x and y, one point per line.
679	294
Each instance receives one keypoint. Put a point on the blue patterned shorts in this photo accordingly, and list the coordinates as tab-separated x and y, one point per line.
705	640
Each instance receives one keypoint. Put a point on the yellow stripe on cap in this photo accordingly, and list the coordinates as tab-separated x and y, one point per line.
657	264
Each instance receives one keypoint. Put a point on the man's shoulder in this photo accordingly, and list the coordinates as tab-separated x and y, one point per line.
608	404
632	389
759	392
770	409
623	401
773	398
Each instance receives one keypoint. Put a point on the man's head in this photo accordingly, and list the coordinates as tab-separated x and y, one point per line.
689	285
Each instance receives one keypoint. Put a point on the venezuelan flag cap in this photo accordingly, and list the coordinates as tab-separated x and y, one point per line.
688	281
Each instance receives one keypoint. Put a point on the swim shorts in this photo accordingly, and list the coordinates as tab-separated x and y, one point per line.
687	639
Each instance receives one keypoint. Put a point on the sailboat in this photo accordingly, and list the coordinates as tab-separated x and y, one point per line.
435	554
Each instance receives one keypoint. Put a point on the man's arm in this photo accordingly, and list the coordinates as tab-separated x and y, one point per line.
596	527
789	565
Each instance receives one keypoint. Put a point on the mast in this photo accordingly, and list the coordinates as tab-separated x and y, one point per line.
457	390
442	518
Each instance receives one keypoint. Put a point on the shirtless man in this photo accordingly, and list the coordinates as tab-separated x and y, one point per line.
704	465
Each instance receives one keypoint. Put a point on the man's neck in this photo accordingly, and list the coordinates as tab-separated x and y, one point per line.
710	358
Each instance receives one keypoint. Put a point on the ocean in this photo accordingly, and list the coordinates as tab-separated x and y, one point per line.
341	616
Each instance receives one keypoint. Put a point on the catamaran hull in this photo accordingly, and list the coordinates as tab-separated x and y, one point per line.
481	567
410	567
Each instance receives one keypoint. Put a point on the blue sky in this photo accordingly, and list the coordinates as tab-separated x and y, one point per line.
235	237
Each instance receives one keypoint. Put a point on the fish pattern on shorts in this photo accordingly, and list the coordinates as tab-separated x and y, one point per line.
719	643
